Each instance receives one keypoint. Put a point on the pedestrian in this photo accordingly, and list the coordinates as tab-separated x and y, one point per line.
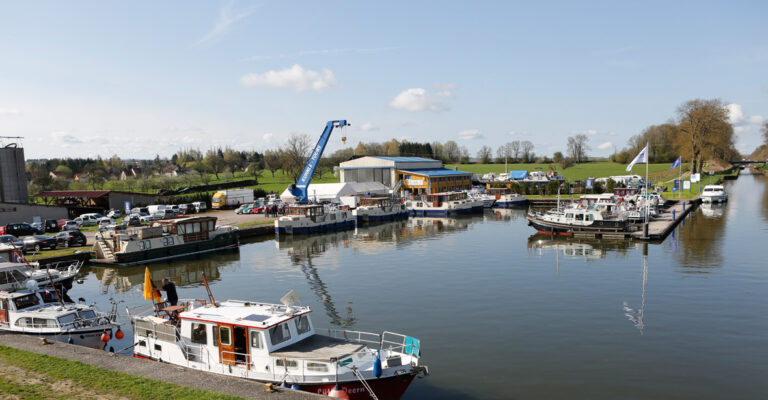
170	289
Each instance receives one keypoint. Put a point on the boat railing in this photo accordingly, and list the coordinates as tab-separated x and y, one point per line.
356	336
401	343
99	320
236	358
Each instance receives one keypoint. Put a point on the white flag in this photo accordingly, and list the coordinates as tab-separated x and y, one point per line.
642	157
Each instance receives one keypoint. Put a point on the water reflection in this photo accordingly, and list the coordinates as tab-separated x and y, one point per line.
186	273
579	248
426	226
506	214
713	210
637	316
700	240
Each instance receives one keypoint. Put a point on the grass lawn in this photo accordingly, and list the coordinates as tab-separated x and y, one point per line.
576	172
28	375
57	252
254	223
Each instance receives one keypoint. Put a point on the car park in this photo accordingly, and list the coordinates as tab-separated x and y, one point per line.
22	229
10	239
39	242
70	239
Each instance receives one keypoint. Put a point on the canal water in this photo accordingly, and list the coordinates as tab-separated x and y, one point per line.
505	314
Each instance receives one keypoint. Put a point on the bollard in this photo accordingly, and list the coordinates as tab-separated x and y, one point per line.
673	215
683	205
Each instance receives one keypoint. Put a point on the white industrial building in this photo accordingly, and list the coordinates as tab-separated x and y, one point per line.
332	192
382	169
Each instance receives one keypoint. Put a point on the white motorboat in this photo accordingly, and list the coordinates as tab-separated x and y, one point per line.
379	209
505	199
278	343
480	195
313	218
24	312
714	194
444	204
14	276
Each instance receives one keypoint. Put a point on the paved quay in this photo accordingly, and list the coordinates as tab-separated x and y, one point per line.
154	370
661	226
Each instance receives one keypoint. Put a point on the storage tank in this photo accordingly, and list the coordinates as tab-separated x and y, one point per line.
13	178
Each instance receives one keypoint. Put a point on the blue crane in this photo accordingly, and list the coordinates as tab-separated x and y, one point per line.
299	189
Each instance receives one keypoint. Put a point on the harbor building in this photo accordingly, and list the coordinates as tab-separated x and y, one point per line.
419	175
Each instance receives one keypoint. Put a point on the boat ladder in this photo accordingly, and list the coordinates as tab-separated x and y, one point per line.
106	250
365	384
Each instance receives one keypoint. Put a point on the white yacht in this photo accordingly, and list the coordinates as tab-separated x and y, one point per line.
714	194
14	276
24	312
278	343
444	204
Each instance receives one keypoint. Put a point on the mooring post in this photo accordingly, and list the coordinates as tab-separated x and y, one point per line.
673	215
645	230
683	205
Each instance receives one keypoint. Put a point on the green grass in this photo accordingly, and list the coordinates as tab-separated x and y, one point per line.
254	223
87	377
57	253
576	172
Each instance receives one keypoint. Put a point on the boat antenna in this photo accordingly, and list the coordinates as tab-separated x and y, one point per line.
208	289
48	271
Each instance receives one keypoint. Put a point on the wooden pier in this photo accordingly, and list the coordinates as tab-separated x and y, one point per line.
663	224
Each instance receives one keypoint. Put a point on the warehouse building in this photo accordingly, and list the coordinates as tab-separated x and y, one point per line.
419	175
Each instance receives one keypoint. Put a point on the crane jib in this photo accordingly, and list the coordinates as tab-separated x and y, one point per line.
299	190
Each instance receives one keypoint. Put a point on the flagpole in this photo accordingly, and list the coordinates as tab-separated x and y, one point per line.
680	178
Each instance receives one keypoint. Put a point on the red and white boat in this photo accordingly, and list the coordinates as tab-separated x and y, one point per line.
277	343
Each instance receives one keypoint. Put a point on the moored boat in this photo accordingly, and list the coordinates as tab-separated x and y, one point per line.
379	209
278	343
443	204
24	312
714	194
162	240
14	276
571	220
313	218
505	199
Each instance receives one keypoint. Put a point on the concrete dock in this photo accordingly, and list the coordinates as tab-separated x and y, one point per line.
663	224
154	370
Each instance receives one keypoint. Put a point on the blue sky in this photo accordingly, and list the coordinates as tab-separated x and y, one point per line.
143	78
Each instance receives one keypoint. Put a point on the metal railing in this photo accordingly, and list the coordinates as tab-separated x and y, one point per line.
356	336
237	358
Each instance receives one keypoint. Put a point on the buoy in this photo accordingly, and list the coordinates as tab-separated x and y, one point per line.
119	334
377	364
295	386
269	388
338	393
285	385
105	337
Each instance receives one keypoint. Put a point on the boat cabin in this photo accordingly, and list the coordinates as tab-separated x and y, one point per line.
305	210
437	199
380	202
9	253
497	192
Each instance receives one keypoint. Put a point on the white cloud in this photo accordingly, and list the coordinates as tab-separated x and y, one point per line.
735	113
268	137
419	99
9	111
65	138
755	119
588	132
605	146
470	134
224	22
295	77
368	127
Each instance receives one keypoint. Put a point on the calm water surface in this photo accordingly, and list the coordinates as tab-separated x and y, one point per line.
504	314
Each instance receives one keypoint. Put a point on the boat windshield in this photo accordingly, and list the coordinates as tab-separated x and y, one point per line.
26	301
87	314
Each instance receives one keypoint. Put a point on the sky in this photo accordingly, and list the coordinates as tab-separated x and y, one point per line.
142	78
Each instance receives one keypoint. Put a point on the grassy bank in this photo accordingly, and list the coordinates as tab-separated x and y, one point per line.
26	375
576	172
57	253
252	224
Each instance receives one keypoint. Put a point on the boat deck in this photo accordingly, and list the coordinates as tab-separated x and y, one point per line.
320	348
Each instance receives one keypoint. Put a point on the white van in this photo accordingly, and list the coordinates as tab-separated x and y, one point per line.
199	206
156	207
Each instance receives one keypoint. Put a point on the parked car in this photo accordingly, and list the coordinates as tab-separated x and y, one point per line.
114	213
13	239
187	208
241	208
140	210
88	219
39	242
51	225
70	239
106	221
22	229
132	220
69	225
146	218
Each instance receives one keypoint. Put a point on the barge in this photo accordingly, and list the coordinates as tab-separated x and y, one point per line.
313	218
444	204
379	209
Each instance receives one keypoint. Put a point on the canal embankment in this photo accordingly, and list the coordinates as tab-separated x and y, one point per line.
66	362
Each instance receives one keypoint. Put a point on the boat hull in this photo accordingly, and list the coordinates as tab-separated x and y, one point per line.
438	212
598	227
385	388
221	242
319	228
714	199
377	218
88	337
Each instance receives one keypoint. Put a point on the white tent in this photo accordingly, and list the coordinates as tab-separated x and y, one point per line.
320	192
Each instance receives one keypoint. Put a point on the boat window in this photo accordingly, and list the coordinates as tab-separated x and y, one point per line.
215	336
225	336
302	324
26	301
4	278
165	241
170	241
44	323
196	227
198	334
317	367
66	319
569	215
141	244
181	228
292	364
147	244
256	340
210	225
279	334
589	217
88	314
579	217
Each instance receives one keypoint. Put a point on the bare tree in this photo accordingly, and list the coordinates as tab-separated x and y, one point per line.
451	151
272	161
484	154
296	154
514	149
704	123
577	148
526	148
